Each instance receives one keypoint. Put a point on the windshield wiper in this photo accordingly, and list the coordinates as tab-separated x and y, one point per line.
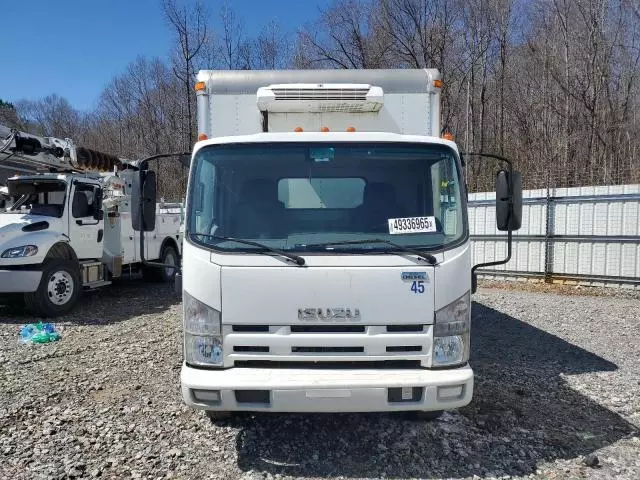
298	260
423	255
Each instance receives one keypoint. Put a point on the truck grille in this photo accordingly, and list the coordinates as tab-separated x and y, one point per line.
335	344
327	349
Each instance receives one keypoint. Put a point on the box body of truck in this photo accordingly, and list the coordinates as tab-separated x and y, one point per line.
326	263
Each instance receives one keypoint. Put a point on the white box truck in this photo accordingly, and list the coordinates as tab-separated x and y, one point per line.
326	262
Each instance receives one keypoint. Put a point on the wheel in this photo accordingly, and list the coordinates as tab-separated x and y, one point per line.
217	415
58	290
426	415
169	256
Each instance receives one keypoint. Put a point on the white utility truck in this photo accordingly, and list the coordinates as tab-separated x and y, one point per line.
69	228
326	263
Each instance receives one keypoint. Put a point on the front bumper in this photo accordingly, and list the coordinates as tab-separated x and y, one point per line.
315	390
19	281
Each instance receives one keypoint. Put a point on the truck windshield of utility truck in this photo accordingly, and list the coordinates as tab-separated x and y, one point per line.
38	197
326	197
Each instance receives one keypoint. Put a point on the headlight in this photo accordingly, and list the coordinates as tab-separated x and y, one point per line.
22	251
451	333
202	333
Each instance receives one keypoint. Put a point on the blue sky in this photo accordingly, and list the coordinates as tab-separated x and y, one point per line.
73	48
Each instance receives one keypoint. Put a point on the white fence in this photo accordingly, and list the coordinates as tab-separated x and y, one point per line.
587	234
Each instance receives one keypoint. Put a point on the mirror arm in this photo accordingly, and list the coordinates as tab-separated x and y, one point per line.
144	165
474	277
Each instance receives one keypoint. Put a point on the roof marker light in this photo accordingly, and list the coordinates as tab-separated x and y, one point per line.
202	136
448	136
437	83
324	129
298	129
351	129
200	86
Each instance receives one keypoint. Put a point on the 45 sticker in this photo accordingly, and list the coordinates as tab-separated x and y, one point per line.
416	279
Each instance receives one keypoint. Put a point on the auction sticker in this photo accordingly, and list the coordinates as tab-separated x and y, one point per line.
412	225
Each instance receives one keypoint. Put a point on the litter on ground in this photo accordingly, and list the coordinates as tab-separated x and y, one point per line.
39	333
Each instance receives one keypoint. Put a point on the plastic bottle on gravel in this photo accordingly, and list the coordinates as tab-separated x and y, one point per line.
39	333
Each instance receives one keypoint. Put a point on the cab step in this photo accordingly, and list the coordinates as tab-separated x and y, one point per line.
98	284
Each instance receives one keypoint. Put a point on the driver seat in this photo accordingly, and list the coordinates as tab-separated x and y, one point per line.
259	213
80	205
379	204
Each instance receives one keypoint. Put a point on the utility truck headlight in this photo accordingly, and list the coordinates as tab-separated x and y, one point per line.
451	333
22	251
202	333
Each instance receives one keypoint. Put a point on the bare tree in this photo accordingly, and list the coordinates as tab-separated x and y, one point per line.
9	117
347	35
52	116
424	34
273	47
192	35
235	50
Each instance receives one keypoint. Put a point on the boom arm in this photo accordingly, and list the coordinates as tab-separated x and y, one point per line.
22	151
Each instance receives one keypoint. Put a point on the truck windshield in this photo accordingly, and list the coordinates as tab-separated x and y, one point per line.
45	198
326	197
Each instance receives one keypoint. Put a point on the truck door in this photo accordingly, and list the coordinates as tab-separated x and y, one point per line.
130	239
85	232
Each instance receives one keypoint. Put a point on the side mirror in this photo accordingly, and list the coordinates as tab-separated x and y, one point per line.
508	200
98	214
143	188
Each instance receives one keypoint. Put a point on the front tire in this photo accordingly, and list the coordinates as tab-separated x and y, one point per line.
58	290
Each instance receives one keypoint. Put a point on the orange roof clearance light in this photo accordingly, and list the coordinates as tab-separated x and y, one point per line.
437	83
202	136
200	86
448	136
298	129
324	129
351	129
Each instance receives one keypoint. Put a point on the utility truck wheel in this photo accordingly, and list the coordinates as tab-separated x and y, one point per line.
58	290
169	256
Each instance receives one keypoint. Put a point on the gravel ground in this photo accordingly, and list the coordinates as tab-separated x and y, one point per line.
557	396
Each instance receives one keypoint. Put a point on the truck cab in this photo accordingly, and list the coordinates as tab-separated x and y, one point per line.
50	210
70	205
326	261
